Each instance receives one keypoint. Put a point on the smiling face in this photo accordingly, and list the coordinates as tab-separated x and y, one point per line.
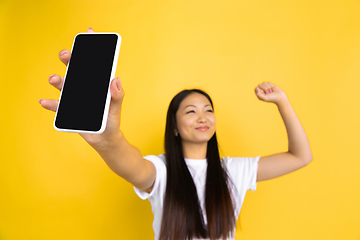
195	119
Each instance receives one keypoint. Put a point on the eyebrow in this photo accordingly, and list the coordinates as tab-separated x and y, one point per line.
207	105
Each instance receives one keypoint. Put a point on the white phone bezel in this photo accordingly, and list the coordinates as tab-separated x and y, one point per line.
108	97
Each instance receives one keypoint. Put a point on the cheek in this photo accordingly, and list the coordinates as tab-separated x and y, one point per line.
184	123
212	120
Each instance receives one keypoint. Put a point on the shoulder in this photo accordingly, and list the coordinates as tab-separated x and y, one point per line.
241	165
239	161
158	161
159	185
242	171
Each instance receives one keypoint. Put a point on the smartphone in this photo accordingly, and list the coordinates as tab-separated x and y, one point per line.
85	97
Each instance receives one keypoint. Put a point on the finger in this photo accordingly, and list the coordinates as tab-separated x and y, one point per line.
259	93
262	87
117	95
271	86
57	81
49	104
64	56
266	87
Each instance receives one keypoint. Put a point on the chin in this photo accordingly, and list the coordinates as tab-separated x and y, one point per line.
196	141
203	140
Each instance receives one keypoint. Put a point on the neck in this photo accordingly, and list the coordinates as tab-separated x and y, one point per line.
194	150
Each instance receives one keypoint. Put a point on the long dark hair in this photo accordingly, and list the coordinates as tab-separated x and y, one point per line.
182	216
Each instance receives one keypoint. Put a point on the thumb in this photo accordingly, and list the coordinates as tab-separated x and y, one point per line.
117	95
261	94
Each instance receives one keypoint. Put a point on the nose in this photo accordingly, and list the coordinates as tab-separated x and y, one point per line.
202	118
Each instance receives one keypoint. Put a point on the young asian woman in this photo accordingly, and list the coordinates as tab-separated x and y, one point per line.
194	194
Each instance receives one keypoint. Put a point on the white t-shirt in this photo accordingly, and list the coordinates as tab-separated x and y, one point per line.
242	172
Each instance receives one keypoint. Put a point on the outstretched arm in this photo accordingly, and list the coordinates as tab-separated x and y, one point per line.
122	157
299	153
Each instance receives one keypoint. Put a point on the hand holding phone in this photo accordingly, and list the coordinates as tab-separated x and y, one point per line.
85	96
113	121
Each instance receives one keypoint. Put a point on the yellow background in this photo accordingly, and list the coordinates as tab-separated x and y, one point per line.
54	186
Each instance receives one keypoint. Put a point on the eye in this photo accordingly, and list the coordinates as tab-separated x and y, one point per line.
210	110
192	111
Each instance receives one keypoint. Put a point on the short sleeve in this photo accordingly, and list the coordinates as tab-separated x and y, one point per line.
243	175
156	196
243	172
253	169
160	178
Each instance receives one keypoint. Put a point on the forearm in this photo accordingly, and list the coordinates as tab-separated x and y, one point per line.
123	158
298	144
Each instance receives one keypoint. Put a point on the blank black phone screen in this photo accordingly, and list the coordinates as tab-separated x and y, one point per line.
83	97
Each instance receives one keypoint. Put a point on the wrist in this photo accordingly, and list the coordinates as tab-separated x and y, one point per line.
108	142
283	101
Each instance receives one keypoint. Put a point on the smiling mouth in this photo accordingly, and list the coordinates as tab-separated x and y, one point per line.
203	128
